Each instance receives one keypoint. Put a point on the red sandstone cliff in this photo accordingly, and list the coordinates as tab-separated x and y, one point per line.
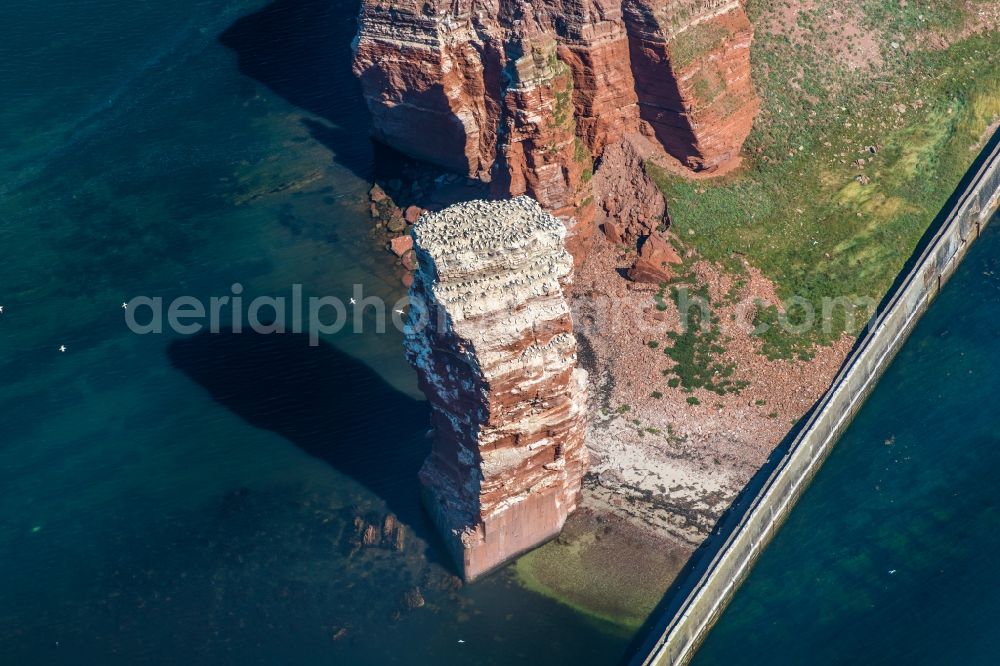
529	94
691	64
491	337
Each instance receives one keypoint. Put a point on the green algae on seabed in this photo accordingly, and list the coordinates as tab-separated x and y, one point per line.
604	568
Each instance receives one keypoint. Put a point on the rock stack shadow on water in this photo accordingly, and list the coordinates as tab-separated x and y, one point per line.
327	403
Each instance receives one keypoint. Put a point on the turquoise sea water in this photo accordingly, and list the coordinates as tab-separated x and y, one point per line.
191	499
892	556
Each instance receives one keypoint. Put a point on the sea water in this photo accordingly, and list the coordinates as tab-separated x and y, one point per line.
892	555
171	498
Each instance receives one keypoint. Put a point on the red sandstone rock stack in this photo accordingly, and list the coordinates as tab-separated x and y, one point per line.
528	93
491	337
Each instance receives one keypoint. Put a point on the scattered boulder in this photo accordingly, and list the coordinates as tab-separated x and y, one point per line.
371	536
409	259
388	526
443	582
654	261
400	245
654	315
413	598
611	232
396	224
386	533
413	214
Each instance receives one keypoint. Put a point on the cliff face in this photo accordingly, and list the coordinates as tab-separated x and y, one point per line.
490	335
539	152
691	63
528	94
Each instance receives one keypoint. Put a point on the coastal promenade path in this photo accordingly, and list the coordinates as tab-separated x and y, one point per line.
696	602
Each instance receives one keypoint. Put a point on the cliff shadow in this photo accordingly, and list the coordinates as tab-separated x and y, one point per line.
329	404
301	51
661	105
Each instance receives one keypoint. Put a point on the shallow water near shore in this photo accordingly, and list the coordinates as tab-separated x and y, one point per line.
192	499
890	557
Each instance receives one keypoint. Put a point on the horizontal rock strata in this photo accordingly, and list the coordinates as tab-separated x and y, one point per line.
691	63
491	337
528	94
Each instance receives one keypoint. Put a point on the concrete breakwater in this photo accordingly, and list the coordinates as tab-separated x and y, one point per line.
684	625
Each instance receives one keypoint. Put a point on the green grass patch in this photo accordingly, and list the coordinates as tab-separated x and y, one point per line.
696	42
696	347
797	211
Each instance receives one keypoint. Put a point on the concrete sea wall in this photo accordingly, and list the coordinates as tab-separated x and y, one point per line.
675	639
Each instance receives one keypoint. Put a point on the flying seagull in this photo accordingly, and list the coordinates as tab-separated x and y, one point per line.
124	306
399	311
62	348
460	640
1	309
353	301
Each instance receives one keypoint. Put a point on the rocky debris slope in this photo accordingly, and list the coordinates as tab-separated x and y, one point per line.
631	205
661	455
491	337
528	94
